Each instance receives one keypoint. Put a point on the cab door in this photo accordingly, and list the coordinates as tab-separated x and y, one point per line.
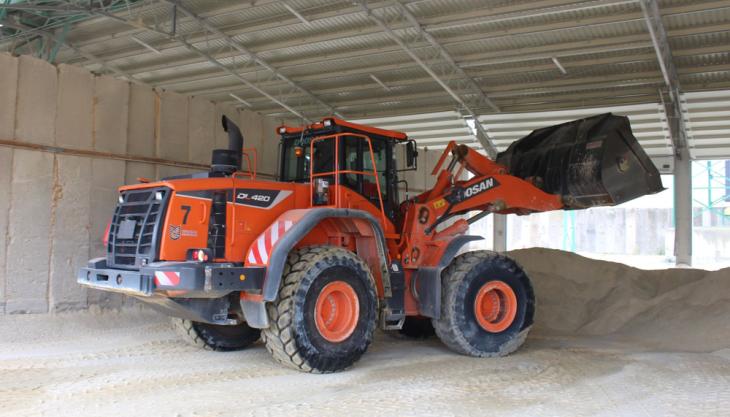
356	156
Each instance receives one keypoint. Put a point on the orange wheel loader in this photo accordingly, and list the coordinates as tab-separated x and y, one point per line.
313	263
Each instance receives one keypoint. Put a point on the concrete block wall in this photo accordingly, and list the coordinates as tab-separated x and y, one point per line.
9	89
68	140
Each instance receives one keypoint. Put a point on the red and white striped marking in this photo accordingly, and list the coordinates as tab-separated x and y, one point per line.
167	278
261	248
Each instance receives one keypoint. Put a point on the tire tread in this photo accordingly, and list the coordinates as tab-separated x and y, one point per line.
184	328
447	327
279	336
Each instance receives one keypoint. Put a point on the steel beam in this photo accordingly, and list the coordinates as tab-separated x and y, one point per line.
296	13
451	83
173	36
660	41
499	232
496	13
40	7
60	40
683	209
57	46
446	57
682	191
248	83
481	133
678	132
190	47
242	28
252	55
570	49
492	57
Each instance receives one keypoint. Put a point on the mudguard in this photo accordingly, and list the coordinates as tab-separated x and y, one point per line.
427	281
273	246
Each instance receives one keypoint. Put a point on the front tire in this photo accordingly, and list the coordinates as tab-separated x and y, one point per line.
214	336
487	305
324	316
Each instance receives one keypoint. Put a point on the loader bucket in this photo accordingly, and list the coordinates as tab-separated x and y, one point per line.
590	162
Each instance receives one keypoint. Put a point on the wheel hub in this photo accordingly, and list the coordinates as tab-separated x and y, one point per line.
336	311
495	306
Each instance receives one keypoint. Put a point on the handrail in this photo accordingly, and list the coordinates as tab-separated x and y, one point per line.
337	170
233	212
251	174
246	153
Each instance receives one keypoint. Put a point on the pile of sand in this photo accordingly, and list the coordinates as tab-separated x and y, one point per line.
677	309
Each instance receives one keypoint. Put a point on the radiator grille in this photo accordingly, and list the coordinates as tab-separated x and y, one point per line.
135	228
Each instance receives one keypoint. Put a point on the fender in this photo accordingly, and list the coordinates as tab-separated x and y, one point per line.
427	280
296	224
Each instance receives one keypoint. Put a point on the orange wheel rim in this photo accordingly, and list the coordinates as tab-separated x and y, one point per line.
495	306
336	311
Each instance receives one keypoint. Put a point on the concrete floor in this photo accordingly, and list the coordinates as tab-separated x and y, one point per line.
132	364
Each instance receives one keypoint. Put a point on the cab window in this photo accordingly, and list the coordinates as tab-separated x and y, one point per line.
354	155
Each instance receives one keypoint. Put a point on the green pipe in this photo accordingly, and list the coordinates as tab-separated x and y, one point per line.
59	43
709	183
3	11
41	41
114	7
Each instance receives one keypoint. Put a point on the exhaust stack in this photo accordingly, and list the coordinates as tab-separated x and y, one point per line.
225	162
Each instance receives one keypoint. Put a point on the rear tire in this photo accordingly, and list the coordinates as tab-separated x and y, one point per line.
487	305
324	316
216	337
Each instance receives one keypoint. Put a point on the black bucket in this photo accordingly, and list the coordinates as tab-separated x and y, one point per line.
590	162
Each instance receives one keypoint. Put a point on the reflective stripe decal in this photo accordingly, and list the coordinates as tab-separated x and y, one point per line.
261	248
275	232
263	254
167	278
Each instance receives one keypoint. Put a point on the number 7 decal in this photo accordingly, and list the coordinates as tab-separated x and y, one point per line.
186	209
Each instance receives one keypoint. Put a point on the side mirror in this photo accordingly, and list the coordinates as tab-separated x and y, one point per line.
411	154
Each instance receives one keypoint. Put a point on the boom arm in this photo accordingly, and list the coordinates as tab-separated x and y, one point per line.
491	190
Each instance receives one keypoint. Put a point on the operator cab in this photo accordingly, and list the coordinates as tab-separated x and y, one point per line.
355	158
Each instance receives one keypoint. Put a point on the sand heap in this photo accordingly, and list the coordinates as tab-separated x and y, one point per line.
677	309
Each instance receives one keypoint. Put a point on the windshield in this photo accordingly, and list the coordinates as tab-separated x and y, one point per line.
296	158
295	168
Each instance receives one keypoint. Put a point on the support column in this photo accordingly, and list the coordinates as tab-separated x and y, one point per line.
499	233
683	208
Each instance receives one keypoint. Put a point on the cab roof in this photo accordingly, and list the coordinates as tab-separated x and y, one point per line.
333	125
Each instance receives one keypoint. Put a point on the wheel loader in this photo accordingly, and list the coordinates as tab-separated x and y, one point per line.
314	262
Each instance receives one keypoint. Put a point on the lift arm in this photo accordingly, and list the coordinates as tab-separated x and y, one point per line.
490	190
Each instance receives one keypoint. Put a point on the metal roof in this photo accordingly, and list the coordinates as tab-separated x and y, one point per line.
707	117
529	61
708	123
435	130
